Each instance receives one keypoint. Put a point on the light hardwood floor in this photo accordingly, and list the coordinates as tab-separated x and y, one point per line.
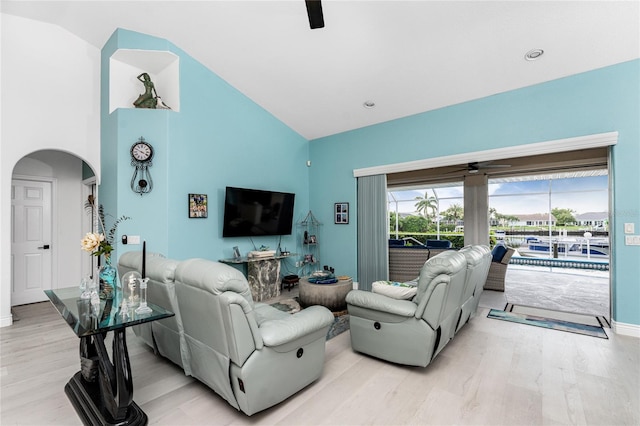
493	372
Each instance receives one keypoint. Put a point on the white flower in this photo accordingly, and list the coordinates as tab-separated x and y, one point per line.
91	241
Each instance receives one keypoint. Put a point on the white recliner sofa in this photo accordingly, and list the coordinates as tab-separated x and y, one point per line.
478	262
165	336
251	354
413	332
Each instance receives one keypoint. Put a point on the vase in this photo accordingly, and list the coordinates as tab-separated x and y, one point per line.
108	282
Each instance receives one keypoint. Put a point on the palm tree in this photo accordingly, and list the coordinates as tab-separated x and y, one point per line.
454	213
425	204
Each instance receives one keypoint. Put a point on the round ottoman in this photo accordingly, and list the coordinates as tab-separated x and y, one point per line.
331	296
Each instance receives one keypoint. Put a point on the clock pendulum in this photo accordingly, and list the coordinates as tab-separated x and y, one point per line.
141	156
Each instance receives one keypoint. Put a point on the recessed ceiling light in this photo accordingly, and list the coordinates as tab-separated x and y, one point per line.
369	104
533	54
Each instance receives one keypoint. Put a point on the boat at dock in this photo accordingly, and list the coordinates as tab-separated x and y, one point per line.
565	247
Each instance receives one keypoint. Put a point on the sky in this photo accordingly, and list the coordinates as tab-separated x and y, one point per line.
582	195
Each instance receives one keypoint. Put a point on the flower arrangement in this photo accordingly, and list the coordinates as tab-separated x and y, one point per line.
97	243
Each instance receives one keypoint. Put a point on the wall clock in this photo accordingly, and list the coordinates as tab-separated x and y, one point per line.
141	156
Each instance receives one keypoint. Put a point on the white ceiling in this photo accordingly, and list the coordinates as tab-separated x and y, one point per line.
406	56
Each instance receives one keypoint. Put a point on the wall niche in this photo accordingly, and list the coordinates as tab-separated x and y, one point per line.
125	65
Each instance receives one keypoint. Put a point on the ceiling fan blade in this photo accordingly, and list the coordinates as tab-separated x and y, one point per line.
455	171
314	11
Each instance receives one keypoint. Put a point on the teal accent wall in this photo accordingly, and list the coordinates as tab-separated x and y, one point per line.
599	101
218	138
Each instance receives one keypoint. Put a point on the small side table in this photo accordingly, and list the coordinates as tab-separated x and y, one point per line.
102	391
331	296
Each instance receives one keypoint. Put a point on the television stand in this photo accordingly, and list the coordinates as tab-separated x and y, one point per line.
263	274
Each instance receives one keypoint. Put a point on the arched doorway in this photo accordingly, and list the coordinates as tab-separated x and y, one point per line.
48	190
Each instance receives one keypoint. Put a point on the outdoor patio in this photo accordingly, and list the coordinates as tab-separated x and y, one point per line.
562	289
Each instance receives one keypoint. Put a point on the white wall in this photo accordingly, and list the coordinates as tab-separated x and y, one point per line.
50	86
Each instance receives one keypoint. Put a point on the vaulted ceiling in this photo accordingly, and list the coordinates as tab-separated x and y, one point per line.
407	57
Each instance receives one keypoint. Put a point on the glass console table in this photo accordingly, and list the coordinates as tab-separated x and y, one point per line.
102	391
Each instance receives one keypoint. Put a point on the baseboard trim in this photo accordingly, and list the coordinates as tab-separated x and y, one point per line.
625	329
6	321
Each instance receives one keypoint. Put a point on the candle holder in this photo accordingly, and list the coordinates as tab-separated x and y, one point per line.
143	308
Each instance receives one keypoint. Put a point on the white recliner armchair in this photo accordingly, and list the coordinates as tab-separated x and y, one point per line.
411	332
251	354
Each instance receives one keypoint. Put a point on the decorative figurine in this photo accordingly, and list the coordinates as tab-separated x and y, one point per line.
124	309
95	303
85	287
130	287
148	98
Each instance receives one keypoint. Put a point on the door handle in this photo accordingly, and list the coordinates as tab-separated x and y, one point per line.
44	247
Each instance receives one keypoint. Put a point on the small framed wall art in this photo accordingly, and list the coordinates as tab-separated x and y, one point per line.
341	213
198	206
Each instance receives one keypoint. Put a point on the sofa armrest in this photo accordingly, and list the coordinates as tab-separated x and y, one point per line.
281	331
382	303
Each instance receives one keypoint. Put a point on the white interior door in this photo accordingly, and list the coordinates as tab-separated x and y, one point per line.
31	240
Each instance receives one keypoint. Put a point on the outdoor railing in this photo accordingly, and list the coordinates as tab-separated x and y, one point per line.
560	263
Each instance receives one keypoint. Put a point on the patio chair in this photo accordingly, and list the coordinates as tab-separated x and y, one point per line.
405	262
498	269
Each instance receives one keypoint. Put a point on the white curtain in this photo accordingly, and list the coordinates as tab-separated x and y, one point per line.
373	245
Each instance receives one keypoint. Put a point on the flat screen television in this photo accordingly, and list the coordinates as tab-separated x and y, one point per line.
254	212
